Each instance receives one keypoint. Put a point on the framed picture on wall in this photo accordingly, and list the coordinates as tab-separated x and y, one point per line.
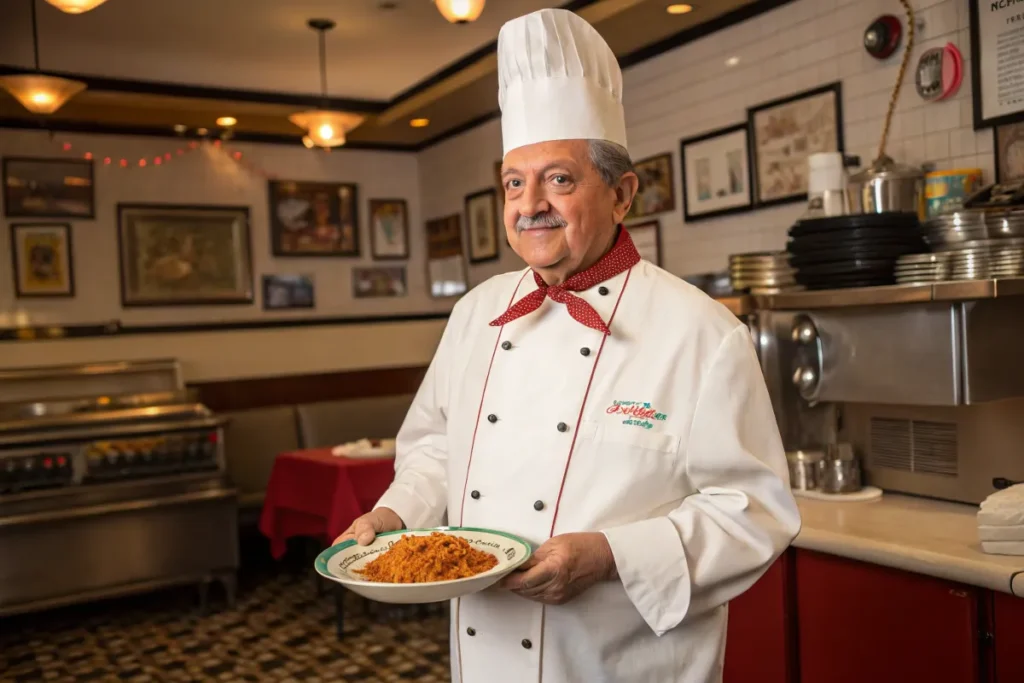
784	133
173	255
657	193
313	219
1009	151
379	281
996	90
389	229
482	226
647	238
446	263
284	292
41	254
716	173
48	188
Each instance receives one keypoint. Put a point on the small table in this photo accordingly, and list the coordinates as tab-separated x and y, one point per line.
315	494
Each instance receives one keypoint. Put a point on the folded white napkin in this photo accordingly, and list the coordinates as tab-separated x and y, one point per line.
1003	547
1001	533
366	448
1003	508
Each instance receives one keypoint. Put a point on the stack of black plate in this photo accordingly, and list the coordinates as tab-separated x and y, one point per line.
860	250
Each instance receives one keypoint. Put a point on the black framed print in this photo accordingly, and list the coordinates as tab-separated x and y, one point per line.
41	254
48	188
1009	152
482	225
389	229
997	87
716	173
784	133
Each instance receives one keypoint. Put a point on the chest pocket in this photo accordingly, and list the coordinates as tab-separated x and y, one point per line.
621	473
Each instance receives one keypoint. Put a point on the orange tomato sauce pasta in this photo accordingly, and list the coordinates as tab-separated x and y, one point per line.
422	559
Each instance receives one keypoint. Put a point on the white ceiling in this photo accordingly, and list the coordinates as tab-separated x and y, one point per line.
261	45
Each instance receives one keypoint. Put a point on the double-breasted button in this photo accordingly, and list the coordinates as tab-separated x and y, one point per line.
562	427
603	291
492	418
527	644
475	495
470	631
585	351
538	505
506	345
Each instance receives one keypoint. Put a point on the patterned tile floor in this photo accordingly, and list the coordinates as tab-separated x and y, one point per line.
280	630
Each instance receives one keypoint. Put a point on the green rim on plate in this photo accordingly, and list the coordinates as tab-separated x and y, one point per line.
322	559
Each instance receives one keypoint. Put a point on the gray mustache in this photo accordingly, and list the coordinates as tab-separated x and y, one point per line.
543	220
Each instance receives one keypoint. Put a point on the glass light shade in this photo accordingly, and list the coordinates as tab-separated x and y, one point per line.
41	94
76	6
460	11
326	128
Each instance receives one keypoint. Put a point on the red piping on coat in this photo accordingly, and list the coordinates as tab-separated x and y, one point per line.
472	446
572	449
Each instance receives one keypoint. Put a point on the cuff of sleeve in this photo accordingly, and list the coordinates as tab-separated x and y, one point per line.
413	510
652	567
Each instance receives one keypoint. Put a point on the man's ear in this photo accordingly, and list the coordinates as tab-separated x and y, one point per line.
625	192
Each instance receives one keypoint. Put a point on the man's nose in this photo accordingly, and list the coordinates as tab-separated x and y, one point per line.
533	201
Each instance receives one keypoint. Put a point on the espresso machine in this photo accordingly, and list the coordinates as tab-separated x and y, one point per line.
926	382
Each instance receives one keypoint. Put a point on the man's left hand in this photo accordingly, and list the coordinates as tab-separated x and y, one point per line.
564	567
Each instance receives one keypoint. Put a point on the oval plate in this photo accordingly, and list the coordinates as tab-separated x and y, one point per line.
339	562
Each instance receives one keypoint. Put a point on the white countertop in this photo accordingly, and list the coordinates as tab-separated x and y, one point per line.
914	534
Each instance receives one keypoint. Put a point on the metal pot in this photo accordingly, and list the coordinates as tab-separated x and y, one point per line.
887	186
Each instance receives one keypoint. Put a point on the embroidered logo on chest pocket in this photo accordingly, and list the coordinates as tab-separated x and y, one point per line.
636	413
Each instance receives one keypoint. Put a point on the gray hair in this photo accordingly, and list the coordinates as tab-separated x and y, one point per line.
611	161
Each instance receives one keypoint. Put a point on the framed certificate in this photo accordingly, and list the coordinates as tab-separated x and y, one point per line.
997	62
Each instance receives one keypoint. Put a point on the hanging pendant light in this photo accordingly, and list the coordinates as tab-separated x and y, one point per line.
324	127
76	6
37	92
460	11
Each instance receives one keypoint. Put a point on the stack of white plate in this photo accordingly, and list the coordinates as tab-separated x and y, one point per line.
762	272
919	269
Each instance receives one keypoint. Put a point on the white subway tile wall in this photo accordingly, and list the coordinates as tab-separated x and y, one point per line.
691	90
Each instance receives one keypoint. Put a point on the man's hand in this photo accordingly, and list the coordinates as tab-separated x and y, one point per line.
366	528
564	567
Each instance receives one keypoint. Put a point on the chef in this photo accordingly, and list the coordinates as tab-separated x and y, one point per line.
603	409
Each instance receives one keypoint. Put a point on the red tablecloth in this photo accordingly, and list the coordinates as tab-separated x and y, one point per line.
313	493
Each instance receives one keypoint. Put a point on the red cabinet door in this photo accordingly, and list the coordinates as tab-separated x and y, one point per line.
759	647
859	622
1008	628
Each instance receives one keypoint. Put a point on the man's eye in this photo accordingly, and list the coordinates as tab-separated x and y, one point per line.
512	183
560	179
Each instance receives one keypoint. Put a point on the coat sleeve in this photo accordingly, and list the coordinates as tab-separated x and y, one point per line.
742	516
419	492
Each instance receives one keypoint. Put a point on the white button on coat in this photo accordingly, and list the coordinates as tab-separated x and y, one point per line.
672	451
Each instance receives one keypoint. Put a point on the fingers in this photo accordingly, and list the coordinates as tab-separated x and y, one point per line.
532	581
365	529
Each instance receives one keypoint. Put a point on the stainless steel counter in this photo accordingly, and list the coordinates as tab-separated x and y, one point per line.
959	290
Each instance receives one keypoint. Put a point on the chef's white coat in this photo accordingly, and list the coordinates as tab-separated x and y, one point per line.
661	436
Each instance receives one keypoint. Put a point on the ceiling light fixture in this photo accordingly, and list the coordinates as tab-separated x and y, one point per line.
226	121
732	61
460	11
76	6
324	127
679	8
419	123
37	92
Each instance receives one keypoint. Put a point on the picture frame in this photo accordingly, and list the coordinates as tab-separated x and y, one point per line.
447	273
646	237
784	132
1008	148
313	219
389	229
717	174
379	281
481	225
184	255
48	188
42	259
288	292
990	107
657	190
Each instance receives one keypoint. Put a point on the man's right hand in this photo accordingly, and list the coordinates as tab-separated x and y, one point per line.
366	528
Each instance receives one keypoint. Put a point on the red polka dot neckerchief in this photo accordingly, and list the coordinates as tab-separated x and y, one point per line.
622	257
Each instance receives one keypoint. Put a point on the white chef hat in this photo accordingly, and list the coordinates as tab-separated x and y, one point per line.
557	80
